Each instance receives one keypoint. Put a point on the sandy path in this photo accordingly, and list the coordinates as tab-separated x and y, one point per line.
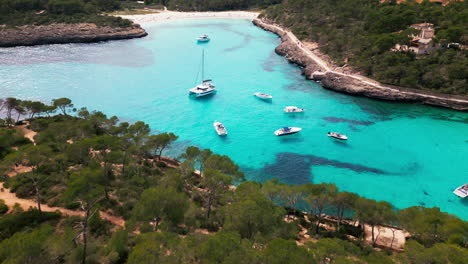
28	133
11	199
385	235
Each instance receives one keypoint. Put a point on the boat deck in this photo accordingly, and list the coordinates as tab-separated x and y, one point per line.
462	191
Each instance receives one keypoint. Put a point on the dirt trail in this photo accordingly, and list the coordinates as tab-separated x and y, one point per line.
11	199
28	133
385	236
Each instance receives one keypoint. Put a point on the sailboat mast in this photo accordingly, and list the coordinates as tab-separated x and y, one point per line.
203	66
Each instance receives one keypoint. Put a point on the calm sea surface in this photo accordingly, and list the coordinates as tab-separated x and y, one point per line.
405	154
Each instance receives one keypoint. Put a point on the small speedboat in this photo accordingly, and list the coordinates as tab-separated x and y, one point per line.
203	38
263	96
293	109
220	129
462	191
337	136
287	131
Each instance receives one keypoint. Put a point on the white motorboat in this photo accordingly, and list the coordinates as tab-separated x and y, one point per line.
462	191
220	128
206	87
287	131
203	38
293	109
263	96
337	136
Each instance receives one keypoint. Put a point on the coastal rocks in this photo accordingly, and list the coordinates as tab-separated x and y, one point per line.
315	70
65	33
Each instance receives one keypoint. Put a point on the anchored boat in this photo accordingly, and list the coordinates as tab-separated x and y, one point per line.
220	128
206	87
462	191
203	38
263	96
293	109
337	136
287	131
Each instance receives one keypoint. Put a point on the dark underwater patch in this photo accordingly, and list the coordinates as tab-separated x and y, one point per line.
271	62
333	119
295	168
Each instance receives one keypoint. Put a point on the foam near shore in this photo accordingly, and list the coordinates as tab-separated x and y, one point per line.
173	15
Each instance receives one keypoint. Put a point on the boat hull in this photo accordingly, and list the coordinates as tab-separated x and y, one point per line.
292	130
220	131
293	109
202	94
263	96
339	137
462	191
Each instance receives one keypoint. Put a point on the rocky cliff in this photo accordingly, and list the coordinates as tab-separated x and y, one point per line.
65	33
354	84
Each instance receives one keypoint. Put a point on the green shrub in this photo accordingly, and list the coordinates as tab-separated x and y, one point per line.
66	7
12	223
73	205
3	207
98	226
161	164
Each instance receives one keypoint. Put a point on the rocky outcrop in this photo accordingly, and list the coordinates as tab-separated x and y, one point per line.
65	33
314	69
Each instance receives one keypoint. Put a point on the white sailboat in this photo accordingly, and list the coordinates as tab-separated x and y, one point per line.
206	87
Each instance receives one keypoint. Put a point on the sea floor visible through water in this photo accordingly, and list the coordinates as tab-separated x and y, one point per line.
402	153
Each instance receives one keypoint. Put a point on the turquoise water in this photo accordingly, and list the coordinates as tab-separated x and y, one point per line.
405	154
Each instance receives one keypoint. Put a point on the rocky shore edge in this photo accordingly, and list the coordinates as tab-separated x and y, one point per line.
65	33
314	68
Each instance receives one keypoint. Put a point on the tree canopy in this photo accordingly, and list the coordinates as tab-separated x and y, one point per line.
361	33
120	203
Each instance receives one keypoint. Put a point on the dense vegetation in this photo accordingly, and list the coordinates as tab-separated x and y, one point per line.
41	12
215	5
185	212
362	32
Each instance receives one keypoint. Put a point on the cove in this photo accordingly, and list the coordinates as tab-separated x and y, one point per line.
401	153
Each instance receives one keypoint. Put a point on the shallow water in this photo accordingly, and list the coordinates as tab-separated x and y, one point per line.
405	154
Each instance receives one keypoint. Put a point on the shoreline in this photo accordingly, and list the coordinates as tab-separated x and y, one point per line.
165	15
316	69
65	33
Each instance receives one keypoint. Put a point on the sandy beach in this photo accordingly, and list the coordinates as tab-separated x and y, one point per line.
172	15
